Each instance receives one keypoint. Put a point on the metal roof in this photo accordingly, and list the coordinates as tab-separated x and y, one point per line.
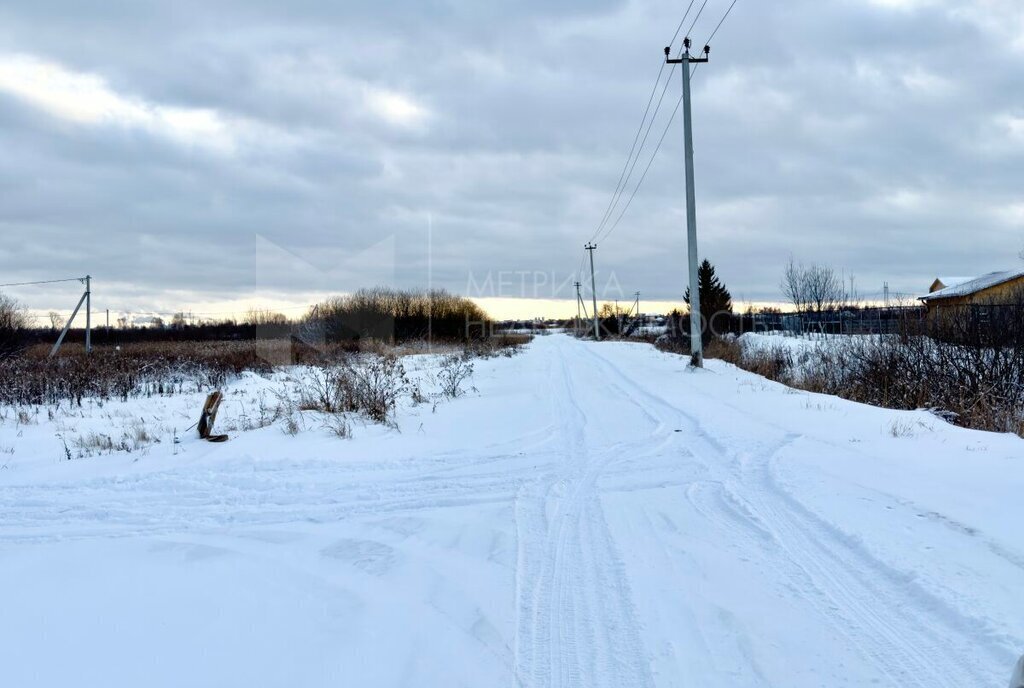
975	285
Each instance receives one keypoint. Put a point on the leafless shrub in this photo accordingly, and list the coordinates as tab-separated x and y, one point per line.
507	345
973	382
338	426
727	349
134	438
291	425
324	389
901	428
373	386
775	363
95	442
139	435
455	371
367	384
138	370
672	344
287	408
416	394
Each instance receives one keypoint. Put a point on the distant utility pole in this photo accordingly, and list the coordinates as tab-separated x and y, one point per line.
885	290
696	329
580	304
636	303
579	300
593	290
86	299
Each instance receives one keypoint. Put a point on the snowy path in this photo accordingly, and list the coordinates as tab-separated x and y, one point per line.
596	516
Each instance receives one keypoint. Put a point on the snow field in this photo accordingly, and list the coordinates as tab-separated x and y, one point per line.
591	515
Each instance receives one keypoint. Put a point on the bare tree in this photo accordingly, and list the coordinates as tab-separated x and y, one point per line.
12	314
824	288
257	316
813	288
56	320
794	286
13	318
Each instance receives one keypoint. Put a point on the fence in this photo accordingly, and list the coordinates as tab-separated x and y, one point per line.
976	324
846	321
890	320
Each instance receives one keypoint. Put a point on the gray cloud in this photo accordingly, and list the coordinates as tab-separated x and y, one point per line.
258	149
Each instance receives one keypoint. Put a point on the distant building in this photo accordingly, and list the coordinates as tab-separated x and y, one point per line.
996	288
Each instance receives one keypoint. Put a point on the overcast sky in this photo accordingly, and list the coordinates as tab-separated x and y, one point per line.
193	153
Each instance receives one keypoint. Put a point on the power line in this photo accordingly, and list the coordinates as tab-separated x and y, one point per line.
674	112
650	162
722	21
717	27
27	284
635	160
699	12
604	230
624	177
682	21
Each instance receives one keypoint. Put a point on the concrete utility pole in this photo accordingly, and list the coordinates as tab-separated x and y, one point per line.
67	325
593	290
696	328
88	314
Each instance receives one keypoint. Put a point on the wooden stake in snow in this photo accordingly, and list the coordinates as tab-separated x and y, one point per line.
209	416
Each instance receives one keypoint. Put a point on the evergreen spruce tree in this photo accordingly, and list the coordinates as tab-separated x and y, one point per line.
715	300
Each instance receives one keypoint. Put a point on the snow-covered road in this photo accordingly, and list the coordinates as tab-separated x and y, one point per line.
595	515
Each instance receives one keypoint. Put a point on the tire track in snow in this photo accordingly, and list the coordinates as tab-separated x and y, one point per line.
928	645
575	621
211	498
